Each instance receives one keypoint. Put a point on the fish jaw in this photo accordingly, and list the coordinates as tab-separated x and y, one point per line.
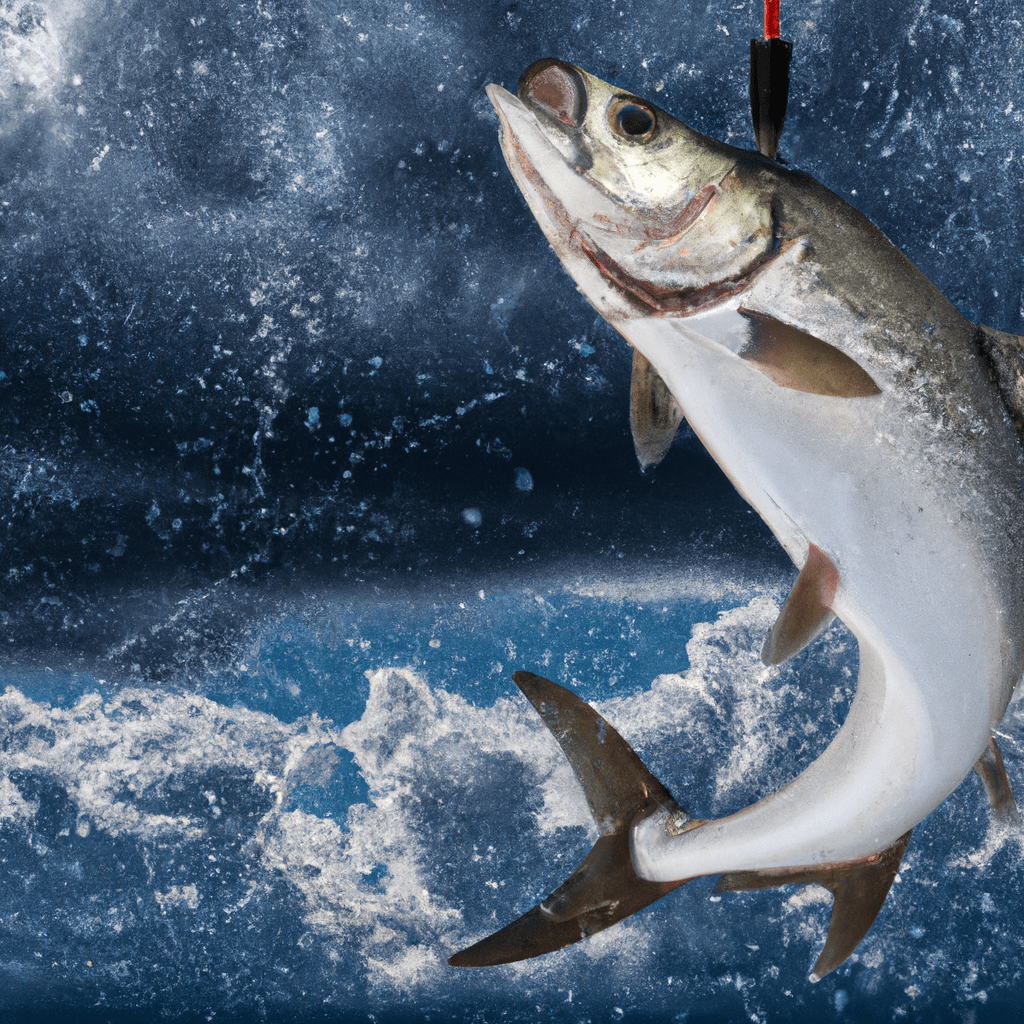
558	198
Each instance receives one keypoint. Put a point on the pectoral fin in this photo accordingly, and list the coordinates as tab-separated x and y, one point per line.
604	889
992	772
859	889
794	359
807	611
654	415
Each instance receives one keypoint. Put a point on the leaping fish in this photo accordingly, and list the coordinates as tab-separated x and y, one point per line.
871	426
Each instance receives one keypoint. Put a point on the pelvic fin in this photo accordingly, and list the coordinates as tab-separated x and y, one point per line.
807	611
654	415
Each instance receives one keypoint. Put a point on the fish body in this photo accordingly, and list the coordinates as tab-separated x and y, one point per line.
850	404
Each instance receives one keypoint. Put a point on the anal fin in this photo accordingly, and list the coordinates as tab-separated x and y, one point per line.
654	415
992	772
807	611
858	888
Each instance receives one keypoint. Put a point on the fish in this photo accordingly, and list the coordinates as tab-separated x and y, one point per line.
874	429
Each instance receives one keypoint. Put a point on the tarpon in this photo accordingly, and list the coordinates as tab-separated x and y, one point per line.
872	427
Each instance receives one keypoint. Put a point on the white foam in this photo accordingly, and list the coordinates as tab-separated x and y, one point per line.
729	703
110	754
38	48
371	886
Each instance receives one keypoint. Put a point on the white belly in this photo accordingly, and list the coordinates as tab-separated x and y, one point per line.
864	482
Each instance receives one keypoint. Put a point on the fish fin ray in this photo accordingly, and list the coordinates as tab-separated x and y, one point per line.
654	415
992	772
807	611
858	888
795	359
604	889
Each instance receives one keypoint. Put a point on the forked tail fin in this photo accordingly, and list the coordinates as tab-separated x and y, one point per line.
604	889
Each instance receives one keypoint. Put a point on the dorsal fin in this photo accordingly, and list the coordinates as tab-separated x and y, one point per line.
794	359
859	888
992	772
654	415
807	611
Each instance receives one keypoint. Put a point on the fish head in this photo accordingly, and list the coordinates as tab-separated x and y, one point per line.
647	214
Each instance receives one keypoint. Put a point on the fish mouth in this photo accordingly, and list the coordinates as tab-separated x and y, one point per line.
527	144
522	133
660	301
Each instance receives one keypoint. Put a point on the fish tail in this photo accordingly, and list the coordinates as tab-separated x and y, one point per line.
604	889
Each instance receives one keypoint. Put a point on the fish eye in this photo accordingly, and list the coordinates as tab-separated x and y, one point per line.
631	121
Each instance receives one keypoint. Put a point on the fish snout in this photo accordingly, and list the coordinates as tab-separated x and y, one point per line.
555	89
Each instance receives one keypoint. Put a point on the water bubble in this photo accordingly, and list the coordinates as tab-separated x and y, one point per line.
472	517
